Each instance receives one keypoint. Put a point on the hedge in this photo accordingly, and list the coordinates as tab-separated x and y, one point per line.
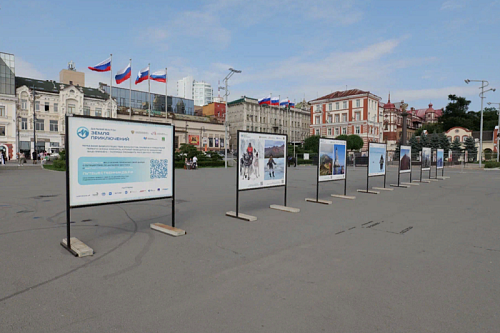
201	164
301	161
492	164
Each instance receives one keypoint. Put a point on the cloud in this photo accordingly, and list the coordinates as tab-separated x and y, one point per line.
453	5
26	69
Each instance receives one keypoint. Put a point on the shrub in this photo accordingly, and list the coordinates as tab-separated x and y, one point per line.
59	165
492	164
302	161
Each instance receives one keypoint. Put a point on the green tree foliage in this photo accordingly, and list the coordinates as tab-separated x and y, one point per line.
470	146
444	143
455	113
424	141
312	143
189	150
456	145
490	119
431	128
434	142
415	145
354	142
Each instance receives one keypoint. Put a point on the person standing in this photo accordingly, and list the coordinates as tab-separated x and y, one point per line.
271	165
195	162
34	156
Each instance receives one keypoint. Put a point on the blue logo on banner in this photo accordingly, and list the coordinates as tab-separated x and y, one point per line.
82	132
110	193
126	192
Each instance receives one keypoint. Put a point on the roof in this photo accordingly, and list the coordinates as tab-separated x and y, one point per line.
487	135
421	112
339	94
240	100
56	87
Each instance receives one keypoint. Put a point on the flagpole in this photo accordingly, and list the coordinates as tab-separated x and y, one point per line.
111	84
149	89
130	91
166	96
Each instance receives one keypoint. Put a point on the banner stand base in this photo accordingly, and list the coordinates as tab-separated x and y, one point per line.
324	202
166	229
443	177
383	188
285	208
368	191
433	180
78	248
403	186
422	182
343	196
410	184
241	216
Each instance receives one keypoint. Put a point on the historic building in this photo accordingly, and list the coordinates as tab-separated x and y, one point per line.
8	128
347	112
246	114
45	111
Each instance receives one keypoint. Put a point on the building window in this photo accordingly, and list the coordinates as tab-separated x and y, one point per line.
449	138
329	118
337	105
56	107
329	131
24	104
2	111
357	115
318	108
24	123
344	117
71	108
345	104
40	125
318	120
357	103
47	106
98	112
316	131
457	137
37	106
336	131
54	126
330	107
463	138
86	110
337	118
357	130
2	130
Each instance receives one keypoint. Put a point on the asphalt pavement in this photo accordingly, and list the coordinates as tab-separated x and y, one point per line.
422	259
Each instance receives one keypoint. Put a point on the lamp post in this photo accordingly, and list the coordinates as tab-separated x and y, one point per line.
498	130
226	94
484	84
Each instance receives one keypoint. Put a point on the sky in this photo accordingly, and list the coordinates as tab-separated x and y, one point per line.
419	51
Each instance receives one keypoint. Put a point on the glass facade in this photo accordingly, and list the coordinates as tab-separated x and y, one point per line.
140	101
7	74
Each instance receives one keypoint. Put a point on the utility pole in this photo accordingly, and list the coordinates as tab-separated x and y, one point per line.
498	129
34	126
226	94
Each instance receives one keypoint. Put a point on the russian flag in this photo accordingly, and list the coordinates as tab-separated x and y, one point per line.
266	100
284	102
292	105
124	74
103	66
142	75
160	76
275	101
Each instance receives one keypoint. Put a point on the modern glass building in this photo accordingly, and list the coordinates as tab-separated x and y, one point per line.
7	74
140	101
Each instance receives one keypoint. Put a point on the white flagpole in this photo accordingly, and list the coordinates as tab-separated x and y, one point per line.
149	90
130	91
166	96
111	85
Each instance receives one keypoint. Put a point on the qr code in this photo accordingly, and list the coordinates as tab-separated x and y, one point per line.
158	169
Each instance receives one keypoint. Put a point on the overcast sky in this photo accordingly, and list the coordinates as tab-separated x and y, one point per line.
420	51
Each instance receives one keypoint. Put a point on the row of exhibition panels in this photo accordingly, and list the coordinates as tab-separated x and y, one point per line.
111	161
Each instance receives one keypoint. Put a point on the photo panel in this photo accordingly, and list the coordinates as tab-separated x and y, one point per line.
405	159
440	158
332	159
426	159
377	155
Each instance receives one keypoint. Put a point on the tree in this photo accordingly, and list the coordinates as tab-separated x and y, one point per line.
415	145
354	142
444	143
470	146
431	128
424	141
434	143
490	119
456	145
312	143
455	113
189	150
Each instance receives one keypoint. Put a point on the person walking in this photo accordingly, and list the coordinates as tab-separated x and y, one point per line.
195	162
34	156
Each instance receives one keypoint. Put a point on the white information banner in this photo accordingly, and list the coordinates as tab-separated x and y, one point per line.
405	159
440	158
114	161
377	155
262	160
332	159
426	159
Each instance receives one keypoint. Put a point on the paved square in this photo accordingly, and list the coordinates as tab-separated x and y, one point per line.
422	259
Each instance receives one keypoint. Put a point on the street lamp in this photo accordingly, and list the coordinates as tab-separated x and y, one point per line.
498	130
484	84
232	71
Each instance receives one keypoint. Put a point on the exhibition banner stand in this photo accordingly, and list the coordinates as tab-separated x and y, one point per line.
262	163
404	165
113	161
440	164
434	159
377	161
332	166
425	164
